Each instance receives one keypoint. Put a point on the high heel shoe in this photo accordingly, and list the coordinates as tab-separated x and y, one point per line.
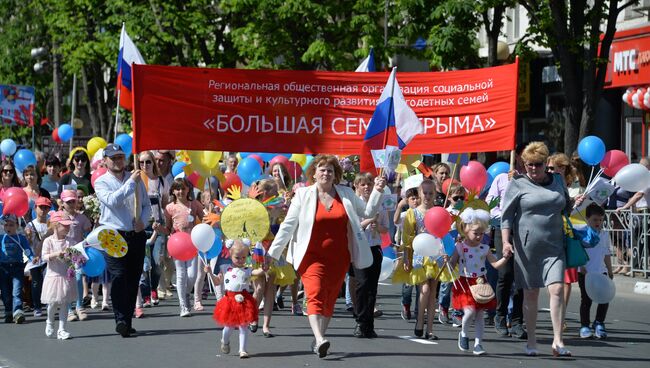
430	336
560	351
418	333
531	351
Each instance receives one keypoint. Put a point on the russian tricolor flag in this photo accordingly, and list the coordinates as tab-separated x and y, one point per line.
368	64
393	123
129	54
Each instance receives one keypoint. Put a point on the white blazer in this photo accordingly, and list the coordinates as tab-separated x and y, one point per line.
299	222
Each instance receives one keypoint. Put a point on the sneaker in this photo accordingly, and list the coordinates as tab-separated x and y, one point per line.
72	316
86	301
147	302
185	312
38	312
139	312
349	307
457	321
198	306
19	317
463	342
406	312
63	335
599	330
501	326
49	329
478	350
81	313
93	303
160	295
279	301
243	355
443	316
225	348
585	332
154	297
105	307
517	331
296	309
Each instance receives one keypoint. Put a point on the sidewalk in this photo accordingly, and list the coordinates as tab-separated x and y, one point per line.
632	285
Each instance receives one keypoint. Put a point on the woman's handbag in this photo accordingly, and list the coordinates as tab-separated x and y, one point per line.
576	255
482	292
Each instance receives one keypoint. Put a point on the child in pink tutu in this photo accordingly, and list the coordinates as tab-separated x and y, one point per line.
237	308
59	289
471	253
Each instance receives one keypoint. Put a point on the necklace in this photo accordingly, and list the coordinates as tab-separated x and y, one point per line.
327	200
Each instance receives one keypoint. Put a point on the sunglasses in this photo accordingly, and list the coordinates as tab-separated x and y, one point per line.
146	162
80	159
550	168
458	198
5	171
534	164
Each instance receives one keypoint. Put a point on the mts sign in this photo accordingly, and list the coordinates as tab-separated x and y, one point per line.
626	61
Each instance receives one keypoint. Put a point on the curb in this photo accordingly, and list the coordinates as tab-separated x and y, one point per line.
642	287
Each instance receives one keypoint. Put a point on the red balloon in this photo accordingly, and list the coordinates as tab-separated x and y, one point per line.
447	183
15	202
613	161
639	98
231	179
438	221
629	97
258	158
473	176
194	179
180	246
96	174
55	135
279	159
294	169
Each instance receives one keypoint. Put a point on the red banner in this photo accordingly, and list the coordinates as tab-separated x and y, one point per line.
317	112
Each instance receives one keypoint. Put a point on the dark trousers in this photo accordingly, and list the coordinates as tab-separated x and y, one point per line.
585	304
367	280
125	276
37	274
149	281
505	284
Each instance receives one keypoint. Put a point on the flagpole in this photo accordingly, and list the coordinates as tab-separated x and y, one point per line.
117	113
390	113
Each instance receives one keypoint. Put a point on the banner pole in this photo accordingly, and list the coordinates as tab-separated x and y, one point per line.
452	177
117	114
390	113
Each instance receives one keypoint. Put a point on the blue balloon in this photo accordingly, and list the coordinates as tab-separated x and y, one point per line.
249	170
267	156
449	244
498	168
177	168
244	154
389	252
216	246
96	264
591	150
65	132
308	161
125	141
24	158
8	147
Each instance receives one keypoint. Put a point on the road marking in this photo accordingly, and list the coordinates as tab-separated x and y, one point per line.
418	340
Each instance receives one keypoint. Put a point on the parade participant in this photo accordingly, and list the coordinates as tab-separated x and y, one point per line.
471	254
31	186
116	192
411	200
9	177
36	231
165	264
237	308
441	172
51	179
231	163
532	209
13	248
325	218
58	288
79	171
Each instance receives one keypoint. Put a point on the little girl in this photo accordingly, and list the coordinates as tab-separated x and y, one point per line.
237	309
58	289
471	254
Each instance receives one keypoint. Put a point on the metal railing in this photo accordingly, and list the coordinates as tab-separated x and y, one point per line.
630	235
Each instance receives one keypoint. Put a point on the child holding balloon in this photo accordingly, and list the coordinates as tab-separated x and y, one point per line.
58	289
14	248
471	254
237	309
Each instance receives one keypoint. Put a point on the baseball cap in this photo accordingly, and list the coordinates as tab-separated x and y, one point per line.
68	195
43	201
113	150
60	217
9	217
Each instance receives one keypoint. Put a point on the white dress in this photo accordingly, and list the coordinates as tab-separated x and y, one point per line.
57	287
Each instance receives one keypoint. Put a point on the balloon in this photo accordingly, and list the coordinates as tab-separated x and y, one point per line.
206	163
447	183
231	179
633	178
591	150
8	147
600	288
95	144
257	158
449	244
279	159
193	178
299	158
125	141
203	237
215	250
16	202
427	245
96	174
97	158
387	266
267	156
310	158
55	135
180	246
92	238
498	168
96	264
294	170
24	158
473	176
65	132
249	169
177	168
389	252
437	221
613	161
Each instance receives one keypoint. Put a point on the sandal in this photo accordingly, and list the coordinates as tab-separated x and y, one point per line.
561	351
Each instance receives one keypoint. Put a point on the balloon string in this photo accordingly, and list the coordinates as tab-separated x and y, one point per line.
592	183
210	281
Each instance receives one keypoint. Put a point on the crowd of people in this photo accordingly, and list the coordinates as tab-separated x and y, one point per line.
326	236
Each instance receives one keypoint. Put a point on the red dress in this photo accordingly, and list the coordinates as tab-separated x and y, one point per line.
237	307
327	259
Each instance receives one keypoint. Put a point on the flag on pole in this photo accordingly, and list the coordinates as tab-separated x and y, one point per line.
128	55
393	123
368	64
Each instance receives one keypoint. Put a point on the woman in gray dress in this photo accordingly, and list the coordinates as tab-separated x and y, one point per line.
533	205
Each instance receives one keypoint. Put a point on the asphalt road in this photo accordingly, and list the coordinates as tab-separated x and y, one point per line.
166	340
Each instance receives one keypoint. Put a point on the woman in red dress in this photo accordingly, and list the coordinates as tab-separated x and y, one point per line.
328	236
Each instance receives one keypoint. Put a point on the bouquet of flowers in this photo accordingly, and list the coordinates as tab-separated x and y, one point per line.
74	259
350	166
91	207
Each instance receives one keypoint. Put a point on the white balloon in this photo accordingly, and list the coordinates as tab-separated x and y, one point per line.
387	267
635	99
203	237
600	288
633	178
427	245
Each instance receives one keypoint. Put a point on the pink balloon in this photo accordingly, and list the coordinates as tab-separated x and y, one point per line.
96	174
180	246
613	161
437	221
258	158
473	176
294	169
279	159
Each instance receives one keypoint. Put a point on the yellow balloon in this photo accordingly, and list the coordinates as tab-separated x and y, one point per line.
211	158
299	158
94	144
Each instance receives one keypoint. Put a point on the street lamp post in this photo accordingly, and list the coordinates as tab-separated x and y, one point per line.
39	67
